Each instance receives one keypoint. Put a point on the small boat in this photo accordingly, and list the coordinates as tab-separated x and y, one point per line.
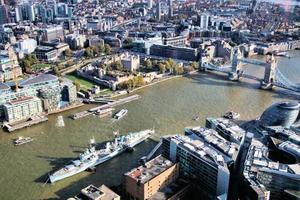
196	118
283	54
121	114
231	115
21	140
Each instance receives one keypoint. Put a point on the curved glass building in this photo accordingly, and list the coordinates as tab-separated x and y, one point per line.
280	114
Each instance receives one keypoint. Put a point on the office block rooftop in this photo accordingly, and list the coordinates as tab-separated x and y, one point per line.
150	170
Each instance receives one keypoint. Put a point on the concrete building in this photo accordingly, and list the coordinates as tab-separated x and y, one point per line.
32	87
22	108
26	12
178	41
204	21
158	10
4	14
75	41
203	165
46	53
144	181
95	40
69	92
26	46
226	128
170	8
91	192
180	53
273	178
9	66
52	33
150	4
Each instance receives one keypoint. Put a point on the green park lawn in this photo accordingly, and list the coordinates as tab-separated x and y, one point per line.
39	66
84	84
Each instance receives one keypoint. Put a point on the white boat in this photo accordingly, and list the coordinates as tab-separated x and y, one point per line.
231	115
121	114
21	140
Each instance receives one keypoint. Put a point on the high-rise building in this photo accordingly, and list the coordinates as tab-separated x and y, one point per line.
25	12
204	20
31	12
201	163
170	8
150	3
158	10
18	14
52	33
4	14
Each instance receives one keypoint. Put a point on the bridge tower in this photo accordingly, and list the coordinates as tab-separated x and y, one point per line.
270	73
202	63
236	72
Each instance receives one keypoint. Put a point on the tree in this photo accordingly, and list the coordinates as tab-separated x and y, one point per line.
154	63
178	70
167	65
89	52
188	69
68	53
118	65
101	48
171	63
194	65
26	63
139	80
162	68
148	64
56	71
128	43
77	84
107	49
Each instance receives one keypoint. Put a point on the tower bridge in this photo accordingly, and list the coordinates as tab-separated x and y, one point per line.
272	75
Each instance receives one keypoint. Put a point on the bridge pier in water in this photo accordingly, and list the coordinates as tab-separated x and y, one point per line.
270	74
236	70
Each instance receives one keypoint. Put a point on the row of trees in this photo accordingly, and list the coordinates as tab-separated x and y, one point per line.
96	50
168	65
137	81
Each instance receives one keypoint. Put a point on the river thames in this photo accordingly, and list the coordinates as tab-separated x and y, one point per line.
168	106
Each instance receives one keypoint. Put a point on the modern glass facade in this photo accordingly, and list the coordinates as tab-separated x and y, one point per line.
280	114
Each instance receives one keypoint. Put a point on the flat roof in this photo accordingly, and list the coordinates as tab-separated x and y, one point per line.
20	99
150	170
39	78
4	86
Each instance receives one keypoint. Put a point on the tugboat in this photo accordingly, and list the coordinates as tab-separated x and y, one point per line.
121	114
22	140
231	115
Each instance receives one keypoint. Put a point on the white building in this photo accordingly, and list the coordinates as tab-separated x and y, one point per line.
204	19
26	46
130	62
22	108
